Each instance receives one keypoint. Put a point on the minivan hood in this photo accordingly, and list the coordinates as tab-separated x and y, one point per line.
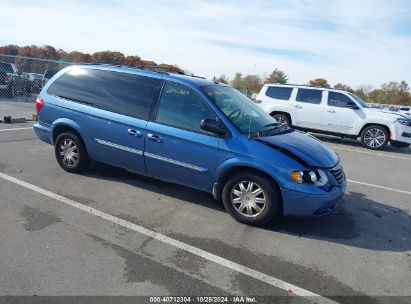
304	146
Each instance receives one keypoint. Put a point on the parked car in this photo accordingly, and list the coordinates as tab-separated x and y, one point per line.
34	84
189	131
4	83
15	82
48	74
406	111
334	112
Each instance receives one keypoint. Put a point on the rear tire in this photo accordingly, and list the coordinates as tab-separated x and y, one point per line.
251	198
282	119
71	153
374	137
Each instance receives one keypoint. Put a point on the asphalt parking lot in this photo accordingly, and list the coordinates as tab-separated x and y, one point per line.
111	232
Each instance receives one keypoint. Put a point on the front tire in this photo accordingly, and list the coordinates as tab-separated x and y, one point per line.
282	119
71	153
251	198
374	137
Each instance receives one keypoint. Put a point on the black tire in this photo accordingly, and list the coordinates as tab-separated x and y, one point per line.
11	91
66	141
271	193
398	144
374	137
282	118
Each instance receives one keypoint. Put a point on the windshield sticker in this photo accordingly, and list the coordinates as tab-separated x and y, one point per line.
177	91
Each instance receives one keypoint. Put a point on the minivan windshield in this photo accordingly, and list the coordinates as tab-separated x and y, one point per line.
249	118
360	101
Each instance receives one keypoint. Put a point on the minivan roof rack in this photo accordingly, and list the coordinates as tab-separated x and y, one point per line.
153	68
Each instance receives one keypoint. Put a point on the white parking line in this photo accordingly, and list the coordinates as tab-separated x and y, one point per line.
14	129
290	288
380	187
370	153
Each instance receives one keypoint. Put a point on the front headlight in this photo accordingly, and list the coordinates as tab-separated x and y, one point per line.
404	121
316	177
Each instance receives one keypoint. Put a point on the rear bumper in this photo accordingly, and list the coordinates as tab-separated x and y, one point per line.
44	132
3	86
299	204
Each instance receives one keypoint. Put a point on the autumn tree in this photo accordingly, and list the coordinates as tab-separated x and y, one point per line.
252	83
277	76
319	82
222	79
395	93
77	57
171	68
132	61
10	49
237	82
344	87
108	57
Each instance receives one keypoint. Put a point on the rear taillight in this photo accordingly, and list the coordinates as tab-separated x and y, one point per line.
6	78
39	103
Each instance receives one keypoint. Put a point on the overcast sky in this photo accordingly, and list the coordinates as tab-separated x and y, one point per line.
353	41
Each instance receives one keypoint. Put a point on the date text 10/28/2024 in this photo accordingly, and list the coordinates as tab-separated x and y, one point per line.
200	299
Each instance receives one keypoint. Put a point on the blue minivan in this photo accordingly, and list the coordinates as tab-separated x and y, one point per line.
190	131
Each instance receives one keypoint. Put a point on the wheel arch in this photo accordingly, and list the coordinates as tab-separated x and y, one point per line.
67	125
64	124
229	171
375	124
272	113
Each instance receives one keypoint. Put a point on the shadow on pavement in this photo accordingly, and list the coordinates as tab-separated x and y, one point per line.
358	222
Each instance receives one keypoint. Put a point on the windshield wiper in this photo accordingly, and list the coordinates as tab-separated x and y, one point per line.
279	128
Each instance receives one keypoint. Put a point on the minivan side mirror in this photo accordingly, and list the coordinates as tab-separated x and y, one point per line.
352	105
213	126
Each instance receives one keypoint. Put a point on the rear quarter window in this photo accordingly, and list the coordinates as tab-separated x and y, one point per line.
309	96
117	92
6	67
279	93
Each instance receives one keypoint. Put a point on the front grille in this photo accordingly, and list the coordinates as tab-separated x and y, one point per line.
338	173
405	134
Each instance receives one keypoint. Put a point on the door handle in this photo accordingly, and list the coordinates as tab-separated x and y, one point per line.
298	107
330	111
135	133
154	137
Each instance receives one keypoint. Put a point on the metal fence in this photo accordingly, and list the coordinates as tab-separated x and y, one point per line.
21	79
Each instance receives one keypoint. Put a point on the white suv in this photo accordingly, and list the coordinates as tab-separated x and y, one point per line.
334	112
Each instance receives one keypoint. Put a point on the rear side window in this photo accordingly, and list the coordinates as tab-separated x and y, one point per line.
183	108
50	73
122	93
279	93
338	100
6	67
309	96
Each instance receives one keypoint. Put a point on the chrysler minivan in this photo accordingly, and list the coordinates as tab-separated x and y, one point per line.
190	131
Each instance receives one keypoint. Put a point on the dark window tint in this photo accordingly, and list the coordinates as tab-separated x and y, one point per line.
338	100
309	96
6	67
50	73
122	93
279	93
183	108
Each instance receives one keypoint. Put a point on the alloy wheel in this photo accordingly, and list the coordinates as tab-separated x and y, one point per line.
374	138
281	120
248	198
69	153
